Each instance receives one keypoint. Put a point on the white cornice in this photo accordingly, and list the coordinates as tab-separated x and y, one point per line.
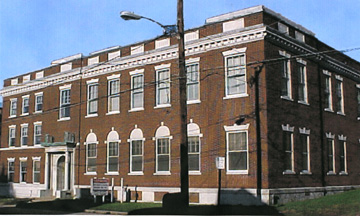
202	45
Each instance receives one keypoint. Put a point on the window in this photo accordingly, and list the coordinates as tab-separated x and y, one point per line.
113	152
24	134
91	152
299	36
305	151
358	101
339	96
302	81
237	149
342	152
23	171
288	145
235	75
285	77
331	153
11	169
194	147
25	105
163	161
36	171
136	151
64	103
328	92
38	102
137	89
37	133
163	87
12	133
92	104
283	28
113	95
13	107
193	82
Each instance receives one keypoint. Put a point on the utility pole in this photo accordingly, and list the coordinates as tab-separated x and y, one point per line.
184	166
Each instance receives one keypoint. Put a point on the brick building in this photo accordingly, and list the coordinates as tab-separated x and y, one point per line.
115	114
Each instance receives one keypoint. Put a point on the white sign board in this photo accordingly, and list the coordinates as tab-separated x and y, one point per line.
220	162
99	187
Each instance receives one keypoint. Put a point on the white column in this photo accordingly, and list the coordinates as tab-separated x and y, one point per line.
67	173
47	166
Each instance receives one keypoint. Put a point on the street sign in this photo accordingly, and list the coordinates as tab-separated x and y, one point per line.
220	162
99	187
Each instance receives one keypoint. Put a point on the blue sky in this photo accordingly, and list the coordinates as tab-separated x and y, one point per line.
33	33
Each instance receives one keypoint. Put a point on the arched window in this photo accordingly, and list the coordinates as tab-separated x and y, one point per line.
162	138
112	163
136	151
194	146
91	152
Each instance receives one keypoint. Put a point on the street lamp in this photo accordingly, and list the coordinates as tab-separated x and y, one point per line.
169	30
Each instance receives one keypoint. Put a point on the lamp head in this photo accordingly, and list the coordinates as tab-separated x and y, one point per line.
127	15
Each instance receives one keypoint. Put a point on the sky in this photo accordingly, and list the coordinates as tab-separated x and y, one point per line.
34	33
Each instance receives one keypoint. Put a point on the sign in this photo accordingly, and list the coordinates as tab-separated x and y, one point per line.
220	162
99	187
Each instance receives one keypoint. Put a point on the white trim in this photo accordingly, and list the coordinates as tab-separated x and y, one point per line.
330	135
23	158
136	72
301	61
114	76
338	77
21	148
65	87
11	159
193	101
162	43
342	137
136	49
93	60
233	25
36	158
194	61
163	66
284	53
137	109
234	51
357	85
304	131
236	96
190	36
92	81
326	72
236	127
233	130
287	128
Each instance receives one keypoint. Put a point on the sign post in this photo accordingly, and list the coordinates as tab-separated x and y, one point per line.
220	165
99	187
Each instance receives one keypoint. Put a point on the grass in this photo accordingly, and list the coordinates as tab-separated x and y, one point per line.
11	201
347	203
125	207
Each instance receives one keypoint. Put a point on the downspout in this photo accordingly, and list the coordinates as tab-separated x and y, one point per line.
321	118
79	127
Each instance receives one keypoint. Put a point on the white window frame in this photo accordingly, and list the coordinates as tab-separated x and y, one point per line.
64	104
111	79
160	69
329	106
92	99
37	124
37	95
286	64
193	130
299	36
12	136
305	132
237	129
24	135
13	107
302	72
36	172
283	28
91	139
342	140
113	137
11	160
339	80
288	129
231	54
331	137
136	135
135	74
21	180
189	63
25	104
162	132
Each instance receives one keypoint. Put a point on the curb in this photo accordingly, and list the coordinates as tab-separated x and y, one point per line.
105	212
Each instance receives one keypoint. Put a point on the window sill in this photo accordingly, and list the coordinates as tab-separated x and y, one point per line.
289	172
340	113
342	173
330	173
24	114
24	183
38	112
193	102
91	115
238	172
64	119
113	113
329	110
304	103
235	96
13	116
137	109
162	173
136	174
90	173
358	118
286	98
162	106
305	172
36	183
194	173
112	173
